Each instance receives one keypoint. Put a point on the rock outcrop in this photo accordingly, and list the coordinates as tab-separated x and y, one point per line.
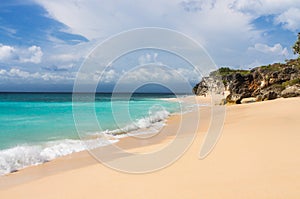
291	91
262	83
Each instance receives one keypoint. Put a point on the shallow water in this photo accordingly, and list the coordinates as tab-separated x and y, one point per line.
37	127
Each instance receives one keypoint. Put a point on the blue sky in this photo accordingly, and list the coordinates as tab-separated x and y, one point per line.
43	43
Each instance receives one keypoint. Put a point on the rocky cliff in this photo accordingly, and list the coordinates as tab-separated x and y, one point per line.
261	83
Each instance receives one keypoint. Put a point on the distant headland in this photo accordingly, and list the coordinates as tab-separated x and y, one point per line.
258	84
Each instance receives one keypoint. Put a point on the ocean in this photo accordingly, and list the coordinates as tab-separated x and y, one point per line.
39	127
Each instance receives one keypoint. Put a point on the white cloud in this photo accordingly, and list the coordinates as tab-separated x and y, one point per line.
224	30
21	75
190	75
143	73
196	6
148	58
158	73
2	72
108	76
149	73
264	7
100	20
64	57
290	19
264	54
286	12
11	54
14	72
32	55
60	57
6	52
277	49
224	27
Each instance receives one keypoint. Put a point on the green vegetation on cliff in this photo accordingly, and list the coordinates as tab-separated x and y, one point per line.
296	47
228	71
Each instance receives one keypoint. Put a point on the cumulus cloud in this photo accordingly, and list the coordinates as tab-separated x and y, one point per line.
109	76
93	20
6	52
11	54
14	72
150	72
148	58
32	54
65	57
266	54
263	7
196	6
290	19
286	12
21	75
157	73
170	14
277	49
224	27
2	72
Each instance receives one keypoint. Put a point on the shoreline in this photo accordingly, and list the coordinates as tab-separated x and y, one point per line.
125	142
248	167
76	145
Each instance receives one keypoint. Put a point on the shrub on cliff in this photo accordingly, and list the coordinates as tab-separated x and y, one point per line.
296	47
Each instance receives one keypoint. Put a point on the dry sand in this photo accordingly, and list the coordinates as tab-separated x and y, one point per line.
257	156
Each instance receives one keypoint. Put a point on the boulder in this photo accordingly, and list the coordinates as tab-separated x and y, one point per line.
259	98
270	95
248	100
291	91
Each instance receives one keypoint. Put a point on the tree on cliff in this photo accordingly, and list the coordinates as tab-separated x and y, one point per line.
296	47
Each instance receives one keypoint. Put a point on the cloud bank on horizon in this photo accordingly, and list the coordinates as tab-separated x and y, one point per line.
44	42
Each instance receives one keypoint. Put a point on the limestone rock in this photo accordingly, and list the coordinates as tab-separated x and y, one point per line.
262	83
270	95
248	100
291	91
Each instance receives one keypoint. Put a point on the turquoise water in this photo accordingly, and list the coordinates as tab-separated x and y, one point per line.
39	127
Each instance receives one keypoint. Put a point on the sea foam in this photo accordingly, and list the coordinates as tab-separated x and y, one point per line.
22	156
19	157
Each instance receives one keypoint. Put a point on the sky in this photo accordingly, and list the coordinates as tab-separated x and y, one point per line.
44	43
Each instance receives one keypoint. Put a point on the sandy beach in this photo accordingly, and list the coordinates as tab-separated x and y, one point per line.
257	156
